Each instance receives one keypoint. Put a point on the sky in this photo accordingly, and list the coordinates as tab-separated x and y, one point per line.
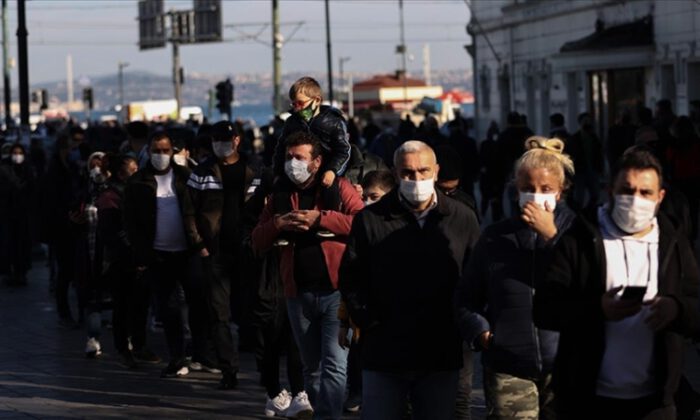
100	33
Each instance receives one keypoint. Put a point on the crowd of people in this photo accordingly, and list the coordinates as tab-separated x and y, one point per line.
362	255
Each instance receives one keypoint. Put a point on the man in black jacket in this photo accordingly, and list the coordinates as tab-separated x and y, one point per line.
153	211
404	258
622	290
217	190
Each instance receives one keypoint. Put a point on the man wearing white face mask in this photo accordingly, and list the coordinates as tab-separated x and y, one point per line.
218	189
398	276
154	203
622	290
309	270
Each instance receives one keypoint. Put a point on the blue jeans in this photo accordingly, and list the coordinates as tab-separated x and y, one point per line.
314	321
432	394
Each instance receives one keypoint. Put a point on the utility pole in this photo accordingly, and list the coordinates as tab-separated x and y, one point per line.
351	98
177	82
426	65
6	66
210	104
341	81
23	69
69	80
277	40
329	56
402	50
121	65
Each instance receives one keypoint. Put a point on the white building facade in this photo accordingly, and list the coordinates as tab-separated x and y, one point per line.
540	57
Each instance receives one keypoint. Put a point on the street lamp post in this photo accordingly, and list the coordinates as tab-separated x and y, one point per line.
329	55
402	50
121	66
341	62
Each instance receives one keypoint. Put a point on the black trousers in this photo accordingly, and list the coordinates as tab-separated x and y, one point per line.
130	301
219	275
169	270
20	246
355	369
276	339
203	350
464	386
64	249
636	409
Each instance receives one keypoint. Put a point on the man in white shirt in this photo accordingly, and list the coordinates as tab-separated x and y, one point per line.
622	289
153	209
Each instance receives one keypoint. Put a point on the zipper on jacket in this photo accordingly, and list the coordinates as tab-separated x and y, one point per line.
535	331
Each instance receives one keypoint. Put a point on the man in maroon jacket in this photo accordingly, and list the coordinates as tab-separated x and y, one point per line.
314	242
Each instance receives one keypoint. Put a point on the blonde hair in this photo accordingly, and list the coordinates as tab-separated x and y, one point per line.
542	152
308	86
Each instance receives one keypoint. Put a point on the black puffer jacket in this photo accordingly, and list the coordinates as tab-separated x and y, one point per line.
496	294
140	209
330	128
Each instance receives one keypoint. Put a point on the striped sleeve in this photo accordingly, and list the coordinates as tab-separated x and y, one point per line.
203	183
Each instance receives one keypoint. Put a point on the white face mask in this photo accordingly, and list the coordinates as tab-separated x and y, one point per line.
222	149
369	201
632	213
17	159
539	199
97	176
417	192
180	160
297	170
160	161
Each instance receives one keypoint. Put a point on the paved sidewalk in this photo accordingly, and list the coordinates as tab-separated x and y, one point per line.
44	372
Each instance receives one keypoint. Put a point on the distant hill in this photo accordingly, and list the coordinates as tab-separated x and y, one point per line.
249	88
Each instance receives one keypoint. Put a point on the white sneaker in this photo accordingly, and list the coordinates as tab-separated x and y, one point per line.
198	367
183	371
300	408
93	349
278	406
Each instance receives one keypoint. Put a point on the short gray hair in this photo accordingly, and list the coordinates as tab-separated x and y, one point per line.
412	146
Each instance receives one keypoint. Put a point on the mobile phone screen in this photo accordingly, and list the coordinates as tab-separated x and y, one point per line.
634	293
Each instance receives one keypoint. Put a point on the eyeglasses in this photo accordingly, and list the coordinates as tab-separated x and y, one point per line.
301	104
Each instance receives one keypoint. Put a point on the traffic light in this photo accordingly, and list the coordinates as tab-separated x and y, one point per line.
44	100
41	97
224	97
229	93
87	97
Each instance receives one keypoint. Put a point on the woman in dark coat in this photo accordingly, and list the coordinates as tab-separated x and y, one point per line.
497	288
21	179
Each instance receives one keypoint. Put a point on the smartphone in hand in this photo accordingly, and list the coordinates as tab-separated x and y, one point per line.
633	293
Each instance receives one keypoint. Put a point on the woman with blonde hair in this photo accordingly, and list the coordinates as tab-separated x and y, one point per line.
495	295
